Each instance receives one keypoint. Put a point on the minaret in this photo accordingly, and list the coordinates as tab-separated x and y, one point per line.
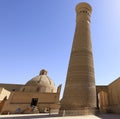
79	96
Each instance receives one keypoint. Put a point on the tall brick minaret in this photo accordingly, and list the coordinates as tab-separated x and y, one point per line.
79	96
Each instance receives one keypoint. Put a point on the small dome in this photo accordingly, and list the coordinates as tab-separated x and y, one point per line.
40	83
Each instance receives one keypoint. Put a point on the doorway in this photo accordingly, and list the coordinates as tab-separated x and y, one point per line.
102	101
34	101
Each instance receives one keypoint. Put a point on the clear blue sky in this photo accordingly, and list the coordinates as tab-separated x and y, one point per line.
37	34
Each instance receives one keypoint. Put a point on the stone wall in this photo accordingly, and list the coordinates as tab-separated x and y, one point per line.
108	97
114	96
11	87
23	100
4	93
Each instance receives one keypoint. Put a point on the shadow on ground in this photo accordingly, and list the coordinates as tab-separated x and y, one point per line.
108	116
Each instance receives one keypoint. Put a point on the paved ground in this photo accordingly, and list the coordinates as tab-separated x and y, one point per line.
47	116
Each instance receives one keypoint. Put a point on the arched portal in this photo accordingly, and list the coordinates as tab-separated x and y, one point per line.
102	101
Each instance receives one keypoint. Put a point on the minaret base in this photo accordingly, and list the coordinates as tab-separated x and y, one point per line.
76	112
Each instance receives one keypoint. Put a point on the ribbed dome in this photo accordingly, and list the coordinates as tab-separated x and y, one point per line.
40	83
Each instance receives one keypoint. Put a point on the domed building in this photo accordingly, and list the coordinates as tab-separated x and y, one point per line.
38	95
41	83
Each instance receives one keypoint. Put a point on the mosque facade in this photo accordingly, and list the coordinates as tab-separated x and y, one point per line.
38	95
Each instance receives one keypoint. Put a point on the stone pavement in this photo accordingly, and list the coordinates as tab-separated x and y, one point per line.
47	116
